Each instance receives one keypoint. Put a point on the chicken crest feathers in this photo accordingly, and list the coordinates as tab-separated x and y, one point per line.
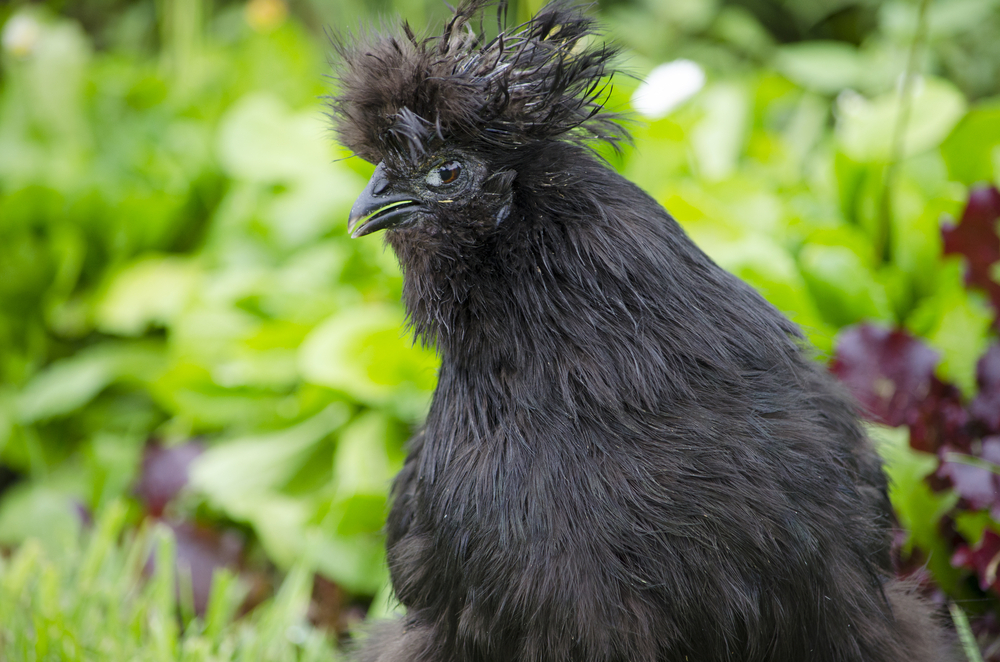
400	95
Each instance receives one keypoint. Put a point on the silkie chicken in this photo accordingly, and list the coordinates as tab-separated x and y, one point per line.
629	455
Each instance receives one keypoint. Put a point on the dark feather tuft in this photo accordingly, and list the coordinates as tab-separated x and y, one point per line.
399	96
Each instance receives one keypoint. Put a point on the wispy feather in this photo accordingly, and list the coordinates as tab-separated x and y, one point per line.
545	79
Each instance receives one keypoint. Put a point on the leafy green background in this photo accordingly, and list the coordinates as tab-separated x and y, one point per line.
174	262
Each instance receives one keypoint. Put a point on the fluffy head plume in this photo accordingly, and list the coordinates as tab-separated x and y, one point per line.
400	96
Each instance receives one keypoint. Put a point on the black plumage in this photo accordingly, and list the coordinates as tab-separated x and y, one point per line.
629	456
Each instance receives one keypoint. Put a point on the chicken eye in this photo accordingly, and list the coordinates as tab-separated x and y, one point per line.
446	173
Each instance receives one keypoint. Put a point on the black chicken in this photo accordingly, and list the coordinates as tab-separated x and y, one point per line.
629	456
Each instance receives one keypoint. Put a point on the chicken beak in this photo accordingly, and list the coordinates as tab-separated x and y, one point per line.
378	207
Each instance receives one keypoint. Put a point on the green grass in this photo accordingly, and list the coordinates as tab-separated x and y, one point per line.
93	601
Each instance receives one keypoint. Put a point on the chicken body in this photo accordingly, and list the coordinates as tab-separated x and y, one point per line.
629	456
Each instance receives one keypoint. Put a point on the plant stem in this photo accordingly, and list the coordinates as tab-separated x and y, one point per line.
883	243
181	26
965	635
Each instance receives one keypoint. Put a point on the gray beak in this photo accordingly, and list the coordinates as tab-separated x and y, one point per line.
379	207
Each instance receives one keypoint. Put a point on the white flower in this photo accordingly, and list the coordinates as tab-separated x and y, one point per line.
668	86
21	35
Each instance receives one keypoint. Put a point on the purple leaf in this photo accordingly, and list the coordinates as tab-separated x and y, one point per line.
979	486
888	372
976	239
940	419
985	408
83	513
983	560
200	552
164	473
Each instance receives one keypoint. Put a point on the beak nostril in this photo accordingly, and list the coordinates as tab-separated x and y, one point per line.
380	187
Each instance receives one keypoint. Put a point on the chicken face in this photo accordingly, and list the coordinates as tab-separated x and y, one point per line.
444	191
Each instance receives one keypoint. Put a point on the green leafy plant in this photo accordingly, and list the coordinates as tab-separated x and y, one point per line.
186	329
111	600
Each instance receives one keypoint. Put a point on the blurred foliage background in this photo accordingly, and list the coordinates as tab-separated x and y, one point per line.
193	351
